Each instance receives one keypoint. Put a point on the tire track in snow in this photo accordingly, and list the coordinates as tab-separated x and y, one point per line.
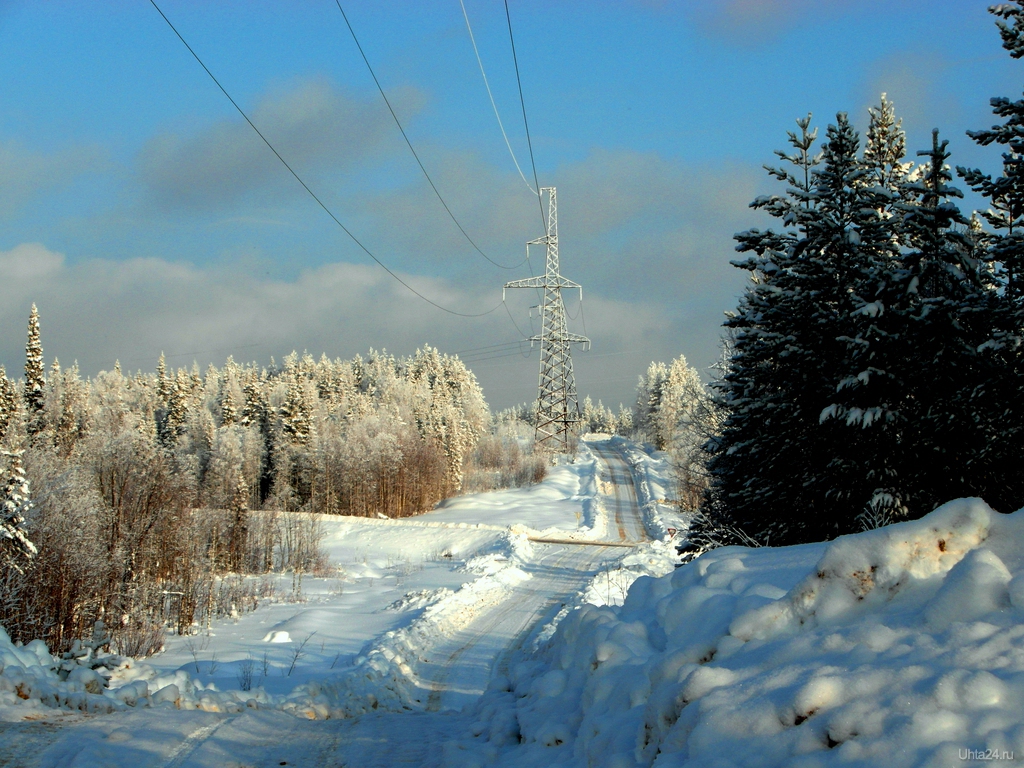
192	742
627	507
513	614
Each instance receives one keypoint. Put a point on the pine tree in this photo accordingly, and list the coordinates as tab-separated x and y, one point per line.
8	403
777	469
1001	255
35	380
913	354
15	546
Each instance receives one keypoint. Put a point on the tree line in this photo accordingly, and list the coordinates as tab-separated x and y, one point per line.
152	494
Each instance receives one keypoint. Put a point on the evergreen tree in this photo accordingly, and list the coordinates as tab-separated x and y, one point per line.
649	390
178	408
35	380
1001	264
885	146
8	403
163	382
297	410
914	360
15	546
226	397
72	412
777	469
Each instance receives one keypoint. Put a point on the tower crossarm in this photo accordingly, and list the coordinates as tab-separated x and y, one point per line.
570	338
555	283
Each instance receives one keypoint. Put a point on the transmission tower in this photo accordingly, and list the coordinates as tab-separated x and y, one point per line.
558	410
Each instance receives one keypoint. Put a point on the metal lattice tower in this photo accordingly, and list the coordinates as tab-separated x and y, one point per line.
558	410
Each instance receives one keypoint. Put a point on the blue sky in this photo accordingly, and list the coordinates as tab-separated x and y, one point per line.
142	215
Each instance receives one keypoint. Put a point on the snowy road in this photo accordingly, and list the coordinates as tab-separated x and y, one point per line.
447	673
458	670
621	495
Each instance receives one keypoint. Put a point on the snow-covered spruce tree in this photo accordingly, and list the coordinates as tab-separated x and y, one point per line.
179	406
914	360
777	469
35	379
885	148
15	547
1001	251
649	389
8	403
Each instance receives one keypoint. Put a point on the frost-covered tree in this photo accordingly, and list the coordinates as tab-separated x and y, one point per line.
8	403
914	358
885	148
72	410
675	412
35	378
15	547
179	406
597	418
649	390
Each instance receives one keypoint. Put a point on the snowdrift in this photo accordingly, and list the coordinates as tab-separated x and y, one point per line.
902	646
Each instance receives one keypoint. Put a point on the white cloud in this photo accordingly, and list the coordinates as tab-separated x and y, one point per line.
98	310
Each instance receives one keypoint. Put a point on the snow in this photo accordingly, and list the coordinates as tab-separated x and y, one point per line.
900	646
654	480
547	509
459	639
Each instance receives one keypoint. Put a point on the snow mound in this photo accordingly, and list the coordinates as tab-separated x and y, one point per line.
384	676
33	683
902	646
421	598
279	636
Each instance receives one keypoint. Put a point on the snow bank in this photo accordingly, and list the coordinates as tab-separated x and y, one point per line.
902	646
34	682
384	676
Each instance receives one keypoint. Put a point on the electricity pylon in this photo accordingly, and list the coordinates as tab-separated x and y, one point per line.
558	410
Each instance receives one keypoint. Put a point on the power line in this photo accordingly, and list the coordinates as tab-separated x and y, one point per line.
490	95
488	347
526	124
411	148
517	353
520	330
306	187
